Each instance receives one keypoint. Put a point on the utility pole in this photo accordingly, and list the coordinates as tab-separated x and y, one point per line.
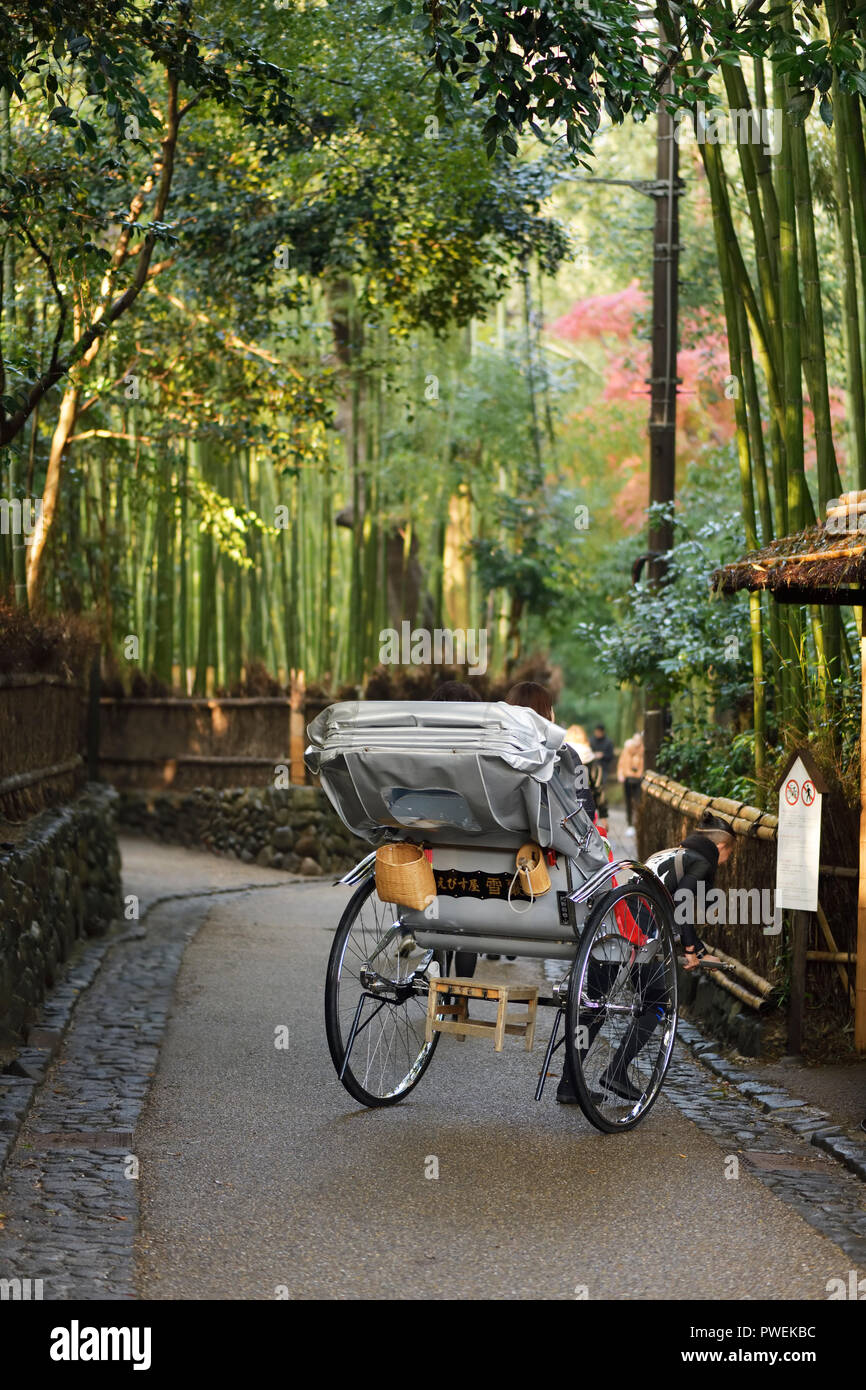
663	382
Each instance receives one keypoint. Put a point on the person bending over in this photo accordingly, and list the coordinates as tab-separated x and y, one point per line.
683	868
680	869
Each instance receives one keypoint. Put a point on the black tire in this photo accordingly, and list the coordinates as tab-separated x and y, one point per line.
621	1013
390	1053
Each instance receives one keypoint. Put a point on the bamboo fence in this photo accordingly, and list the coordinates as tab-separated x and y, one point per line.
41	753
757	962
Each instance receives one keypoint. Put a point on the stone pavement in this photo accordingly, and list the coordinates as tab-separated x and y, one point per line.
68	1200
796	1094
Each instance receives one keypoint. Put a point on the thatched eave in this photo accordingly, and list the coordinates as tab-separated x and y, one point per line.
818	565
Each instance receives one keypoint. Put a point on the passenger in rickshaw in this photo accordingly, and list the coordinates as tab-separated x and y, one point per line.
532	695
576	740
455	691
572	770
574	773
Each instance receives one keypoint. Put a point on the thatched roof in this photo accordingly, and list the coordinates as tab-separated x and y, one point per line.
818	565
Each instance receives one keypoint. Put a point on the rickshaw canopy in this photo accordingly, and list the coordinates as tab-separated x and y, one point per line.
441	772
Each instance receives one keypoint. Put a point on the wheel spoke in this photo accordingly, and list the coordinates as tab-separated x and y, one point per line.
386	1063
622	1009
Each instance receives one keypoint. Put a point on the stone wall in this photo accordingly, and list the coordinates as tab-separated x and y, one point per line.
59	882
291	828
720	1014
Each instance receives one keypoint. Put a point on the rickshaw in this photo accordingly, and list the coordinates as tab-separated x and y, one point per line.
470	784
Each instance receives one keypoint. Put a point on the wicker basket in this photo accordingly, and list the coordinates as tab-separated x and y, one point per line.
404	875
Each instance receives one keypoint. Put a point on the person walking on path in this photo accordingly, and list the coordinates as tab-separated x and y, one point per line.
601	744
629	771
588	762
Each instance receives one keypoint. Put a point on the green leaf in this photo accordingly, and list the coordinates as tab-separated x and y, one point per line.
826	110
800	105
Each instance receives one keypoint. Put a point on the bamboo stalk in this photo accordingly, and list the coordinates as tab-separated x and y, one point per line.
815	356
856	151
738	97
763	987
756	432
183	561
754	1001
163	640
38	774
764	171
790	307
834	957
851	311
206	587
15	679
830	940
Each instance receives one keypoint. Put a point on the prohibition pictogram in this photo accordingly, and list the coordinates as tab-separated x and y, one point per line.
809	793
792	791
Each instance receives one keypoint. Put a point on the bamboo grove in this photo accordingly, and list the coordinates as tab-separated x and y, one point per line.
264	461
753	81
272	291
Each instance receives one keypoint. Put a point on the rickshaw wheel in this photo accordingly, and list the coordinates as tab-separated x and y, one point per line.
389	1054
621	1013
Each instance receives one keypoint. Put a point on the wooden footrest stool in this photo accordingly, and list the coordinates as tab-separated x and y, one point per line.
459	1022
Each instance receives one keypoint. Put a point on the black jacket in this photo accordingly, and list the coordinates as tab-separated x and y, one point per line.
680	870
604	746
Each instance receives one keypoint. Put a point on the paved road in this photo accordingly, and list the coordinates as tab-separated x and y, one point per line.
261	1178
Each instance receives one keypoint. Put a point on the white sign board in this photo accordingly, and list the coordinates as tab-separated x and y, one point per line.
799	841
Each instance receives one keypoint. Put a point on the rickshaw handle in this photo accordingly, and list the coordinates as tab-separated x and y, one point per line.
602	878
363	870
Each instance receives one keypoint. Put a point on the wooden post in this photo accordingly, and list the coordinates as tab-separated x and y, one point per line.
797	1003
860	987
297	729
92	719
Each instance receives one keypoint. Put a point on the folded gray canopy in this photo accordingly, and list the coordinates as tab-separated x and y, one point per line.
448	773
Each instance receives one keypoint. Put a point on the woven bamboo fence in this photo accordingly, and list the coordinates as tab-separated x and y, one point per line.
176	743
42	717
669	811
